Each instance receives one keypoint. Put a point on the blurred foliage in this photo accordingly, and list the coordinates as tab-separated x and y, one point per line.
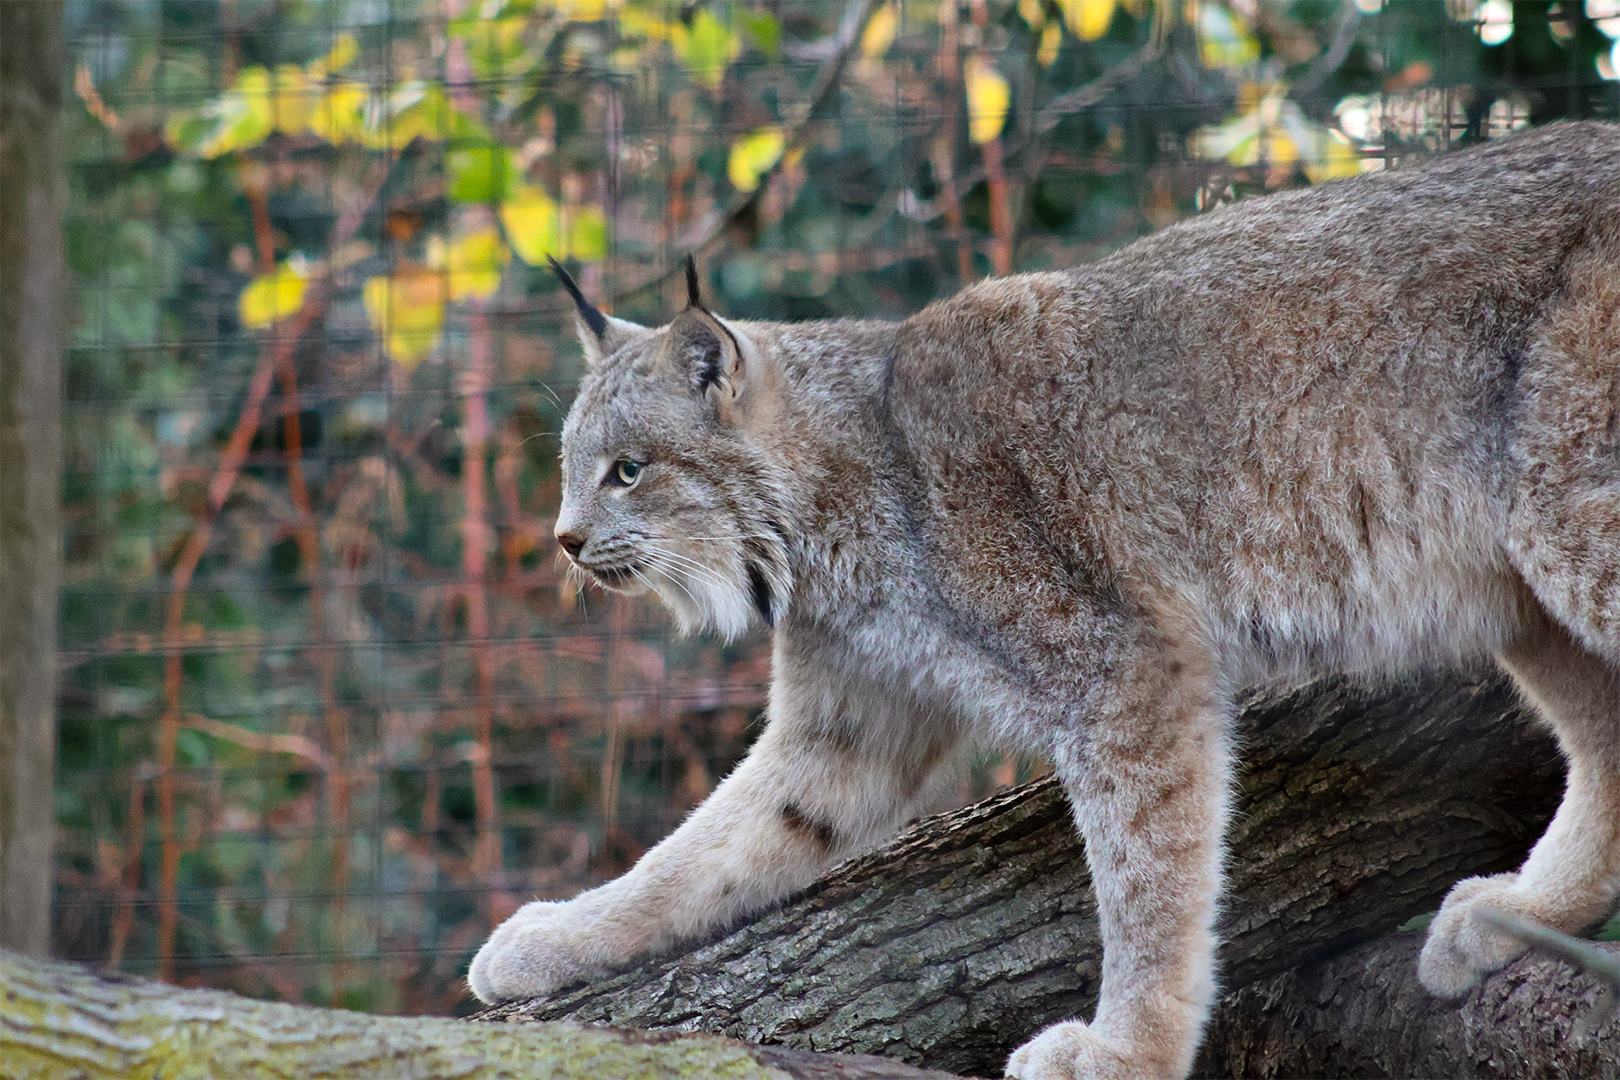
329	706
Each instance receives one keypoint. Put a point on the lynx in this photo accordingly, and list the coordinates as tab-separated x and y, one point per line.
1356	428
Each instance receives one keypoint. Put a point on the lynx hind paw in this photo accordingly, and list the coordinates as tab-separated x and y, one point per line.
1462	948
1072	1051
541	947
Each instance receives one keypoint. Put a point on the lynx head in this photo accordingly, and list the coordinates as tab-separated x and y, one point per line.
669	479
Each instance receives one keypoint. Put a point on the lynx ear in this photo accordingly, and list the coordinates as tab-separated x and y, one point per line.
713	355
599	335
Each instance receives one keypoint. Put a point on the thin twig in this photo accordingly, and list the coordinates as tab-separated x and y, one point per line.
1583	954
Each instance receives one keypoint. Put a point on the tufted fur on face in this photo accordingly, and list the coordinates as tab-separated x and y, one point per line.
673	480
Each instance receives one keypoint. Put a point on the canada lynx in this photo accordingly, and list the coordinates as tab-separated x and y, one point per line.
1361	427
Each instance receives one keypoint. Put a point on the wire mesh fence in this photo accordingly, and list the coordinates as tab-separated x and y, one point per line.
330	706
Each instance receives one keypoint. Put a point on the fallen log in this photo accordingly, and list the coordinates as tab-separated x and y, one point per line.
1358	808
58	1020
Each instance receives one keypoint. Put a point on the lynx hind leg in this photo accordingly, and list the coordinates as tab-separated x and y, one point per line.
1572	876
1150	787
828	778
1564	540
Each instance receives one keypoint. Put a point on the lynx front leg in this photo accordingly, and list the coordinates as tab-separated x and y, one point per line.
834	774
1573	874
1149	783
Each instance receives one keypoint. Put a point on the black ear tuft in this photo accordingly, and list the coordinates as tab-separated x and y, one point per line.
692	297
593	318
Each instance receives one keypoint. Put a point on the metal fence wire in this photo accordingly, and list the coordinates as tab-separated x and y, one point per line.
330	707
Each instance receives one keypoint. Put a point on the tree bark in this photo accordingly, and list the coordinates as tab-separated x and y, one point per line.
32	196
58	1020
1357	810
1363	1013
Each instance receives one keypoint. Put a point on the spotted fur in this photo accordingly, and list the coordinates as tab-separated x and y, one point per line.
1360	428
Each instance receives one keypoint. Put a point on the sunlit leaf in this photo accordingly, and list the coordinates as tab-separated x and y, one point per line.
634	22
1051	41
406	310
1033	13
753	155
880	32
533	225
238	118
761	28
706	47
1275	131
481	174
345	50
537	226
472	262
988	97
585	10
1224	40
587	232
272	297
1337	158
1088	19
340	115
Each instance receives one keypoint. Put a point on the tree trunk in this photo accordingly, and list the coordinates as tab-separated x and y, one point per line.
1363	1013
1358	809
32	195
57	1020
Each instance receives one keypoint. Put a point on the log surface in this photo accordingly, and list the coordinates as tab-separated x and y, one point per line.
1357	810
58	1020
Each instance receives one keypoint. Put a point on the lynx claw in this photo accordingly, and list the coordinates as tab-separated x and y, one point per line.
1462	947
542	946
1071	1051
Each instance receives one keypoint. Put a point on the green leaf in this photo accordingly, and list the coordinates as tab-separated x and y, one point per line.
707	47
761	28
481	174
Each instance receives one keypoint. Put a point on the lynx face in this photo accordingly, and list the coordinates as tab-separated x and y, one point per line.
664	486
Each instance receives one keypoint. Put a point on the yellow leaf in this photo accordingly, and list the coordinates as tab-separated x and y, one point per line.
587	232
345	49
1089	19
880	32
272	297
241	116
1051	39
293	99
1033	12
538	227
988	98
406	309
533	225
473	262
1337	158
339	115
585	10
1223	38
753	155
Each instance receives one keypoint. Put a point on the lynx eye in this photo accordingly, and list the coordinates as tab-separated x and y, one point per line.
625	473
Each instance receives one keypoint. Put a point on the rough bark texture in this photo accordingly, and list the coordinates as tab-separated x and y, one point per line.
57	1020
32	196
1358	809
1363	1013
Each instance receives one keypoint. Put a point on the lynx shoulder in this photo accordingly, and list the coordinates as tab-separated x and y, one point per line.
1354	428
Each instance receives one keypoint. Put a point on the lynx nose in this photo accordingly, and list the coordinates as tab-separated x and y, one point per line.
571	542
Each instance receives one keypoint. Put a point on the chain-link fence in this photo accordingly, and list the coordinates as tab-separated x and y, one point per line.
330	706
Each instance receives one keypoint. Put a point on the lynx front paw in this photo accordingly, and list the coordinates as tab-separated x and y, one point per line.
1462	947
1073	1051
541	947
